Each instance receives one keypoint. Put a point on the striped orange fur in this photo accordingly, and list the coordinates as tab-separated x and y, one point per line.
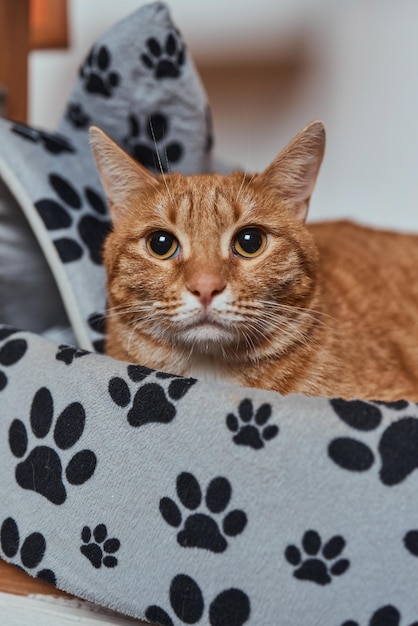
247	292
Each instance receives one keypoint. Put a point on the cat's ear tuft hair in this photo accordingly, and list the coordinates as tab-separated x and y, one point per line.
293	172
122	177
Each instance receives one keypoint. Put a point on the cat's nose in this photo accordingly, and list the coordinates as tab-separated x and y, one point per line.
205	287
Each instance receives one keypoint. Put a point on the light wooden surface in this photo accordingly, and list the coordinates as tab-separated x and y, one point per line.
13	580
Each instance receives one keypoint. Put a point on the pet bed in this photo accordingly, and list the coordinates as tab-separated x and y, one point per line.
166	498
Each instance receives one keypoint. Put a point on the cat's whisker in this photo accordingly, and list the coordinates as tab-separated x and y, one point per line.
250	180
251	349
247	159
160	165
269	308
291	307
128	312
244	179
279	325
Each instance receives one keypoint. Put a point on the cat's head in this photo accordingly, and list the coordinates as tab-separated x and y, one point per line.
212	263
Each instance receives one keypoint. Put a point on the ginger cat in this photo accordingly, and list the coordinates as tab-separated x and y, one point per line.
218	277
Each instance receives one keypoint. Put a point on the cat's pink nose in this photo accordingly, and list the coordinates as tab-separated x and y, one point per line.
206	286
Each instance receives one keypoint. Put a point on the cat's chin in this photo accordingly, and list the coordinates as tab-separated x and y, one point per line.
208	337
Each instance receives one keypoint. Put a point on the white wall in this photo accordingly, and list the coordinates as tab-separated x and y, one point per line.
358	72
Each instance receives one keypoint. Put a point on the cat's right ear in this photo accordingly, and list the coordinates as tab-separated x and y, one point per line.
122	177
293	173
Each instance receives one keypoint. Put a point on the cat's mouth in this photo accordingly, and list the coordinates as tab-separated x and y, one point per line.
207	329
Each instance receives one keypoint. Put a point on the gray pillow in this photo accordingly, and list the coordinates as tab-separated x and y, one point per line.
24	273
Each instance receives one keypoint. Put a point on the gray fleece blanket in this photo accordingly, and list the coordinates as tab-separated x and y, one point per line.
165	498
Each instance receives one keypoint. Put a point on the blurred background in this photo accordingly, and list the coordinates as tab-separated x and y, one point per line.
271	66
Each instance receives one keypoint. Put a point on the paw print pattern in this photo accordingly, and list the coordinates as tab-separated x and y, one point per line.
97	322
10	353
385	616
76	116
398	445
319	566
251	430
67	354
230	608
150	402
53	143
210	140
42	470
31	552
60	215
150	148
411	542
201	530
98	548
96	74
166	59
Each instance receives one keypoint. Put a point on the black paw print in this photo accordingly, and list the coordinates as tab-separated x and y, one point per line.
59	215
11	352
147	148
411	542
319	566
98	547
251	430
96	73
31	552
166	59
398	445
67	354
150	402
41	471
201	530
97	322
52	142
76	115
385	616
229	608
209	130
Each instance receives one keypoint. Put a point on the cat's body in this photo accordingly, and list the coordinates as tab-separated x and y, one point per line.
219	278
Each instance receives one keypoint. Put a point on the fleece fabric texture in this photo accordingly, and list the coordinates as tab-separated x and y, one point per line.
165	498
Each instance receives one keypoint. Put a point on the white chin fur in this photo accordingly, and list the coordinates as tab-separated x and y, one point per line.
207	335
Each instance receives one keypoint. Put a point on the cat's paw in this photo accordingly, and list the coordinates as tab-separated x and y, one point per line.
315	562
164	59
251	429
201	529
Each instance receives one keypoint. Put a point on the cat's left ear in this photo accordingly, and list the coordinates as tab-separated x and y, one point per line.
122	177
293	173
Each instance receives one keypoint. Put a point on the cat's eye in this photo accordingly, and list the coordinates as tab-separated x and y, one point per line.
162	245
249	242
